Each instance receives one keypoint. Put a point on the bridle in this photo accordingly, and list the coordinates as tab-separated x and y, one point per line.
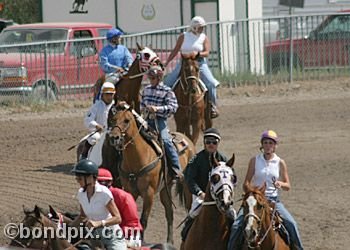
119	142
46	242
265	212
222	179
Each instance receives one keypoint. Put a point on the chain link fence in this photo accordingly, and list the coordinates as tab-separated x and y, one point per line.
250	51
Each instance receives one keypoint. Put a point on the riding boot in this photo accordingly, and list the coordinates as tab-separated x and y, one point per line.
188	223
214	112
86	149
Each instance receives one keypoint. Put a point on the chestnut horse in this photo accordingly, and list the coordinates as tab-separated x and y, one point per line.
193	114
210	229
37	222
128	88
141	170
260	222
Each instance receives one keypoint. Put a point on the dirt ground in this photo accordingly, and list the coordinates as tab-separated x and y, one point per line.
312	119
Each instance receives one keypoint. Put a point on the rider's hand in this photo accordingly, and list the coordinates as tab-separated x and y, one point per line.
152	108
99	128
202	195
93	224
277	184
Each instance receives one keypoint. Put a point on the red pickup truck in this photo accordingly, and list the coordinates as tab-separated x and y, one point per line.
327	46
72	66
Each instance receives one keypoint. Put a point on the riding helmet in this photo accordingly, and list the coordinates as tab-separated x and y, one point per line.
269	134
212	132
113	33
85	167
108	87
104	175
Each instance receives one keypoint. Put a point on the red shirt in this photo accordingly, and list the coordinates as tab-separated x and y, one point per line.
127	208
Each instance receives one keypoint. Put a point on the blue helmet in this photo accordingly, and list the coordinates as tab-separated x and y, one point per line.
113	33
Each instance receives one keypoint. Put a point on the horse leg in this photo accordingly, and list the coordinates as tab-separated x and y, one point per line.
169	213
148	197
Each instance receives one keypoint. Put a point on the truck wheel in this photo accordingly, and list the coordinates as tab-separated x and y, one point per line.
39	94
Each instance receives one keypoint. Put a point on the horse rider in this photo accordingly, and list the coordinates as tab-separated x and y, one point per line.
195	44
197	172
127	207
115	58
96	118
269	169
160	102
97	207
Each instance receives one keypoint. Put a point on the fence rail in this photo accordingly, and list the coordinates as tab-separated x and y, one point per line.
250	51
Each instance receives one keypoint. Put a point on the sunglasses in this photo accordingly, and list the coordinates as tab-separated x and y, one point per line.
214	142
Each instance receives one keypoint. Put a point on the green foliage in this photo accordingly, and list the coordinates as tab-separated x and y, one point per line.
21	11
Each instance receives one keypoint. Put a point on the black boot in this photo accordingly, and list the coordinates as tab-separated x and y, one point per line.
214	113
86	149
186	228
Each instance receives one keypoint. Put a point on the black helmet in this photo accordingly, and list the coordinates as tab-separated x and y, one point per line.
212	132
85	167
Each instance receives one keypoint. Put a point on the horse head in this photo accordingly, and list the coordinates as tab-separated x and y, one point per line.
222	183
122	127
146	57
190	76
37	234
257	211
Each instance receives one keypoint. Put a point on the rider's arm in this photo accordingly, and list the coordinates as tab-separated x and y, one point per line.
176	49
206	48
191	174
90	118
249	175
116	218
170	106
128	58
284	177
104	64
79	219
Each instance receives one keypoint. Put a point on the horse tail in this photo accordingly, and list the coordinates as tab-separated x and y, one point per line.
180	191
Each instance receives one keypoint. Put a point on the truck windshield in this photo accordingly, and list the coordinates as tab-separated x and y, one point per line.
20	36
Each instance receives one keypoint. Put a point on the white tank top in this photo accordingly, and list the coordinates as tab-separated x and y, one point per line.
265	171
192	42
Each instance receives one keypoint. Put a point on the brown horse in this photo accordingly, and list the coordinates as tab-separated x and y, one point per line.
38	224
193	114
141	170
260	222
128	88
210	229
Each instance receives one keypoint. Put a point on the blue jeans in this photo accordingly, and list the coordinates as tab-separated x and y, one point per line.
204	73
168	144
288	222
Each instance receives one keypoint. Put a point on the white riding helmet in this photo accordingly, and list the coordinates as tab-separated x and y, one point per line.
197	22
108	87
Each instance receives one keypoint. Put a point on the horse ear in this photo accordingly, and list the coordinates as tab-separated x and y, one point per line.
37	211
231	161
139	47
53	212
214	162
26	210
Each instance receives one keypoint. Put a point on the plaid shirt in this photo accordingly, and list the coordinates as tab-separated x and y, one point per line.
162	97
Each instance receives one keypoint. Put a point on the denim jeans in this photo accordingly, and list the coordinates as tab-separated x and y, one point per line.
111	237
204	73
288	222
168	144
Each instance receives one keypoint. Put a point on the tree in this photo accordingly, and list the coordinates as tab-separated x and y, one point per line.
21	11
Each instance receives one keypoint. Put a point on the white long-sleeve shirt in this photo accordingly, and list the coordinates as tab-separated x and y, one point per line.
98	114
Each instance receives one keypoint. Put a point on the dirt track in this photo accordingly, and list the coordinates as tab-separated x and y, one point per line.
312	119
